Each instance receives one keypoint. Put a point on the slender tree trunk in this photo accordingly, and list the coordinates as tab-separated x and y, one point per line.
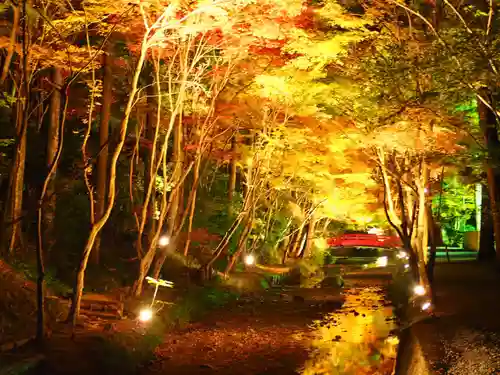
486	235
309	236
422	228
13	204
192	203
14	209
146	261
387	186
232	176
422	233
52	145
97	226
12	43
487	121
152	163
241	247
178	156
102	159
297	242
149	160
434	231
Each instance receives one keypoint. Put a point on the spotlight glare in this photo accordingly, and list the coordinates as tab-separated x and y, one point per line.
249	260
145	315
419	290
163	241
426	305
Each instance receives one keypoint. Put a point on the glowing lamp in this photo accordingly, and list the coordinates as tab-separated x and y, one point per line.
145	315
376	231
163	241
249	260
402	255
382	262
419	290
426	306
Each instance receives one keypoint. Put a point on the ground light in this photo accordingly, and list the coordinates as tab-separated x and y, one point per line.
146	314
249	260
402	255
426	305
163	241
382	262
419	290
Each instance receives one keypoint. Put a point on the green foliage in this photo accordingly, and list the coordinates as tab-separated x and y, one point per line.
196	302
6	100
311	269
54	284
212	211
455	208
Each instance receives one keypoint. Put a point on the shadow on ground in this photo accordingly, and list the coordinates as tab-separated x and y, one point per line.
464	337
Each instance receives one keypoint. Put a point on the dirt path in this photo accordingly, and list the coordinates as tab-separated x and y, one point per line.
273	336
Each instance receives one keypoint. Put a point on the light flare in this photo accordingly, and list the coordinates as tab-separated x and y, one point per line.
145	315
163	241
419	290
250	260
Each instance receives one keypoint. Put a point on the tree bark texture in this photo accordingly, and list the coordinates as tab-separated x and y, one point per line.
488	124
52	146
102	159
486	235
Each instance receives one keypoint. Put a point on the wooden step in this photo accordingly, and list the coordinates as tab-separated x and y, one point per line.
92	305
100	314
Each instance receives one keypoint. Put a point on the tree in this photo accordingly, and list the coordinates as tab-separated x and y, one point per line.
102	159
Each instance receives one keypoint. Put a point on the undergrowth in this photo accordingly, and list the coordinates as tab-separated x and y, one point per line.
52	283
197	302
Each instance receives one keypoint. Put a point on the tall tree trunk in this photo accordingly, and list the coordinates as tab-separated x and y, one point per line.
178	157
433	236
232	176
295	241
149	160
147	259
486	235
52	145
487	121
13	205
422	229
152	162
435	231
192	201
12	43
387	186
241	247
309	236
102	159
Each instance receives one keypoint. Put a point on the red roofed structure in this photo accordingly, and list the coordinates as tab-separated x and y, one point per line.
365	240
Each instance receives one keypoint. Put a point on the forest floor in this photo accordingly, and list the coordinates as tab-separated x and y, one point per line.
273	332
275	335
264	333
